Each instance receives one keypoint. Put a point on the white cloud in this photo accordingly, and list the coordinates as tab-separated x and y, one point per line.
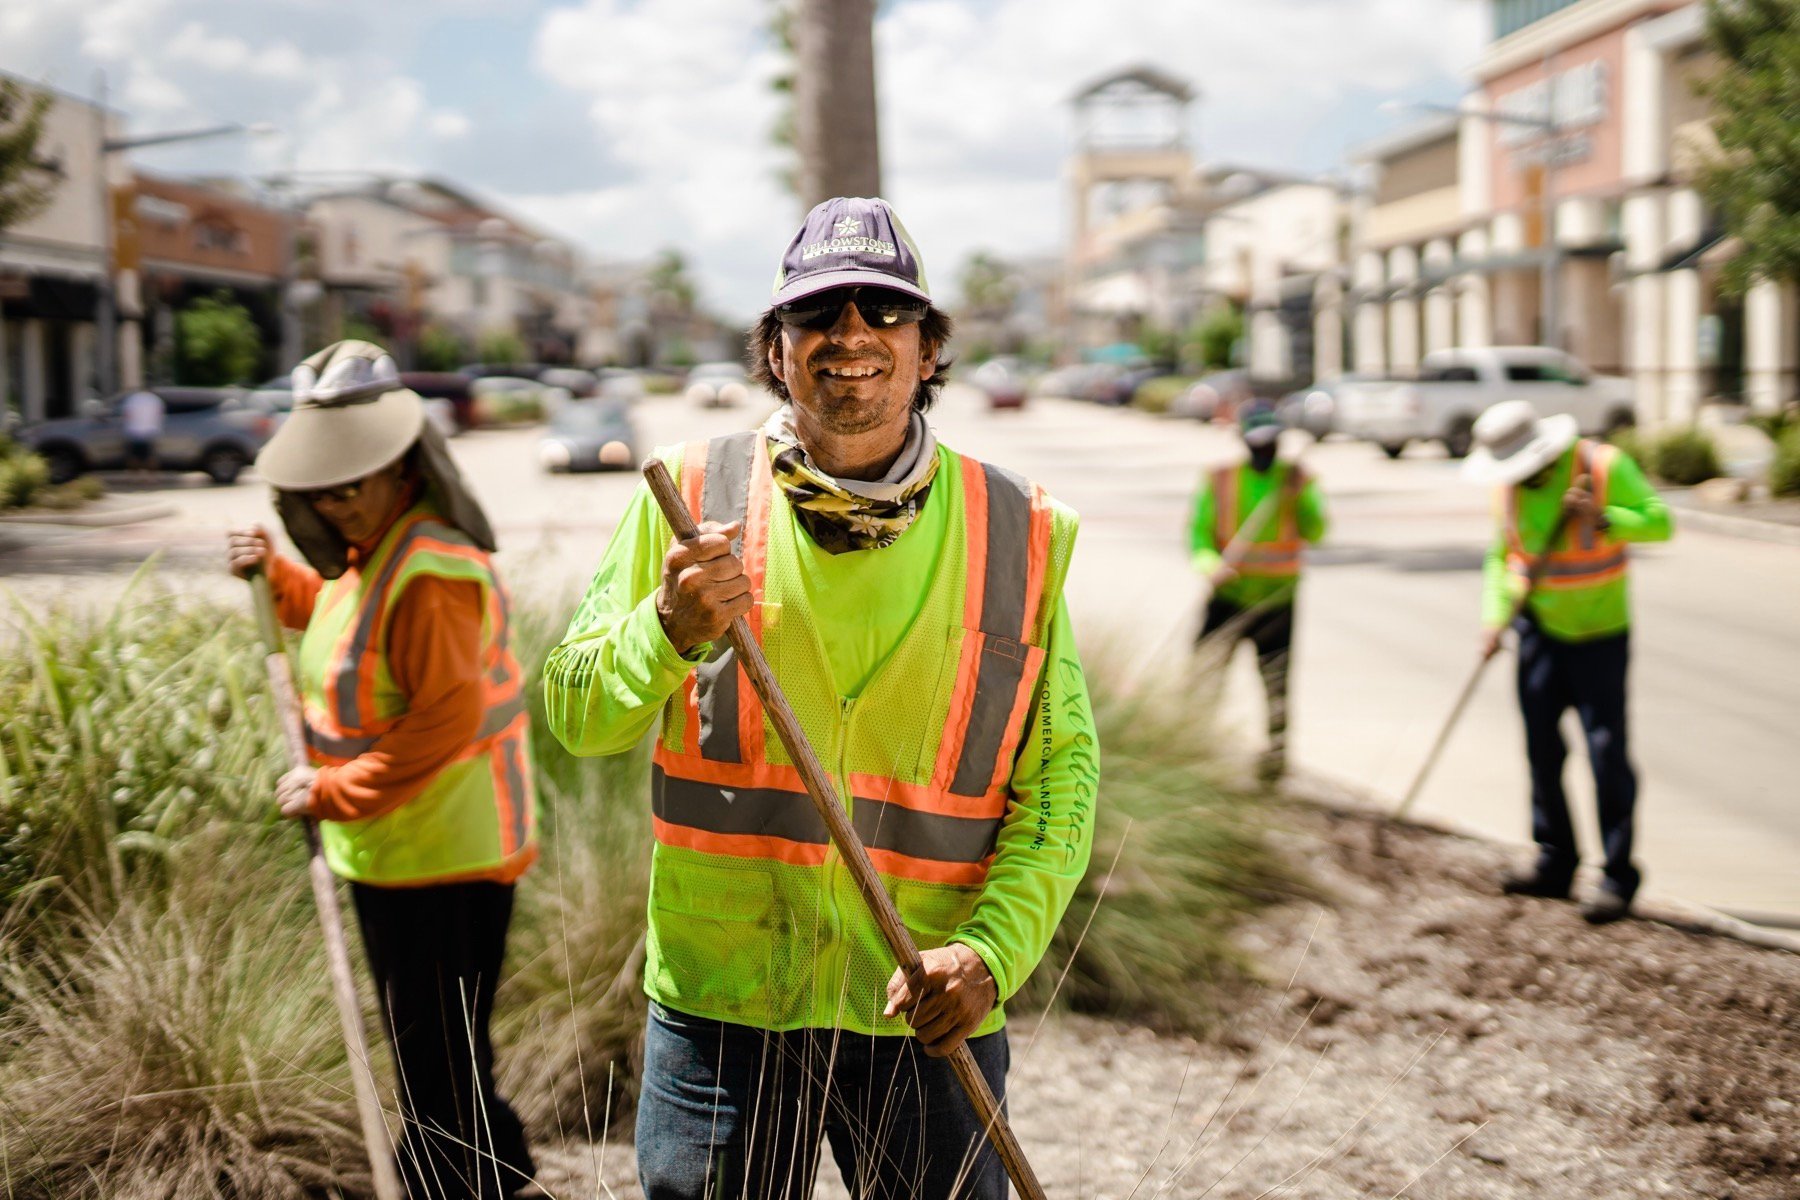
677	103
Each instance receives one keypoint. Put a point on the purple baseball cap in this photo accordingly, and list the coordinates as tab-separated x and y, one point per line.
847	241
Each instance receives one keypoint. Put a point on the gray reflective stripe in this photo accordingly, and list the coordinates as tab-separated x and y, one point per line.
493	723
996	688
724	497
716	696
758	812
1003	615
350	665
1008	552
515	788
772	812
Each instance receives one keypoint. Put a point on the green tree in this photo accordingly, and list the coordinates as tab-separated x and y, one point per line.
1214	337
1754	180
988	286
216	342
24	187
500	346
672	290
441	349
835	129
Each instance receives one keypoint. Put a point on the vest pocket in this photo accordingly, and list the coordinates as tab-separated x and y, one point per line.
931	912
710	935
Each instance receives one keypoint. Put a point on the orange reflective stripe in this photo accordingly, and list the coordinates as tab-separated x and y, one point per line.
739	845
755	553
925	870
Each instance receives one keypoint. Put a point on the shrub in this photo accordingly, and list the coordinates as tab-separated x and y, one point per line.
216	342
441	349
1631	442
1156	395
500	347
23	475
1784	468
1684	456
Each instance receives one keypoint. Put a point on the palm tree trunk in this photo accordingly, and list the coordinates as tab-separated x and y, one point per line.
834	100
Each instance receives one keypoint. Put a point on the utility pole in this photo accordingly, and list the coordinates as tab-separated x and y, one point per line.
106	320
835	127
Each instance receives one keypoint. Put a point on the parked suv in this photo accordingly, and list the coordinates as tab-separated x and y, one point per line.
1456	386
215	430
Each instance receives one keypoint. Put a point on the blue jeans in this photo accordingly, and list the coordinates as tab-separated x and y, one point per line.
1589	677
729	1112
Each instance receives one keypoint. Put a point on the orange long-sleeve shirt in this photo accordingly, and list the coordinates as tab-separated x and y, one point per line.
434	655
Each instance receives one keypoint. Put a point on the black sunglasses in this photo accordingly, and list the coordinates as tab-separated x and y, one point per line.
343	493
881	308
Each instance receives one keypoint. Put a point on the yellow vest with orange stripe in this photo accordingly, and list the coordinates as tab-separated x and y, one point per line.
753	918
1274	551
1584	557
476	819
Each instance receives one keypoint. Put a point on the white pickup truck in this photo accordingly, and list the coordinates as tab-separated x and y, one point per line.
1456	386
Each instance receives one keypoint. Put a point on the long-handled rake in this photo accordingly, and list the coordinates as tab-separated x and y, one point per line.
325	898
824	797
1538	565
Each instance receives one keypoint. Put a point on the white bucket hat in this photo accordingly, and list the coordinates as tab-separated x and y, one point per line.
1513	443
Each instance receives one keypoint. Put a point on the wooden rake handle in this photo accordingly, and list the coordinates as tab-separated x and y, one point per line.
325	898
823	791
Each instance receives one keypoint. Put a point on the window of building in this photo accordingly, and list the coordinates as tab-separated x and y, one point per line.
1510	16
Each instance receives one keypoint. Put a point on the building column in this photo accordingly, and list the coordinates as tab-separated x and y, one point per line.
1403	312
32	386
1681	382
1771	346
1328	330
83	377
1371	315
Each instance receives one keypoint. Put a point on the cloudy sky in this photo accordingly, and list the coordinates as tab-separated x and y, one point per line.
629	125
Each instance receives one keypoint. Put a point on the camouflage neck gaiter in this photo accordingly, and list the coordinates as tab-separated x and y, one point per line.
850	514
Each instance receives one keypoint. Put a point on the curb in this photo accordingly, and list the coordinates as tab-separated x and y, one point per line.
81	519
1685	915
1730	525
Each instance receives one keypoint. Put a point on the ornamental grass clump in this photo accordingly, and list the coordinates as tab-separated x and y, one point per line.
1150	939
166	1026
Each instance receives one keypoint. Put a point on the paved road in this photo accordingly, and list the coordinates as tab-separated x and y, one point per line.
1386	635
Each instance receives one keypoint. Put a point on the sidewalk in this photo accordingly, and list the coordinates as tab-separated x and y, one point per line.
1762	520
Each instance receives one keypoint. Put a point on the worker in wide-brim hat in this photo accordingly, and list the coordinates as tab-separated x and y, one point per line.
910	599
420	771
1574	633
1253	599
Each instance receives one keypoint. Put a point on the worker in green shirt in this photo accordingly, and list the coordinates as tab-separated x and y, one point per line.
909	599
1253	596
1574	630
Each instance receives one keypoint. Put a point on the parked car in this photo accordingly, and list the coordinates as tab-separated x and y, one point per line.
590	435
1455	386
1214	397
718	385
448	386
1002	380
577	382
215	430
617	383
1314	408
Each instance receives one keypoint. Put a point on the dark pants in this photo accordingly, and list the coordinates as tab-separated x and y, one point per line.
1270	628
435	953
1589	677
729	1111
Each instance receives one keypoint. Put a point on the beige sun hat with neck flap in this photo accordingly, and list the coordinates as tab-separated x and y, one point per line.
352	417
1513	443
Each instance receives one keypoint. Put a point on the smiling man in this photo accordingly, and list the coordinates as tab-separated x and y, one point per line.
910	601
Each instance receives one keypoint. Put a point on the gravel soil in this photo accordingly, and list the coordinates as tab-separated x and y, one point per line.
1419	1035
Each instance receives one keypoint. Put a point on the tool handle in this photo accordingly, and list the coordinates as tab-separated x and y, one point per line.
824	794
383	1176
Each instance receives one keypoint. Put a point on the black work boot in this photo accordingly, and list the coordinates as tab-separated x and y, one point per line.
1536	882
1606	905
